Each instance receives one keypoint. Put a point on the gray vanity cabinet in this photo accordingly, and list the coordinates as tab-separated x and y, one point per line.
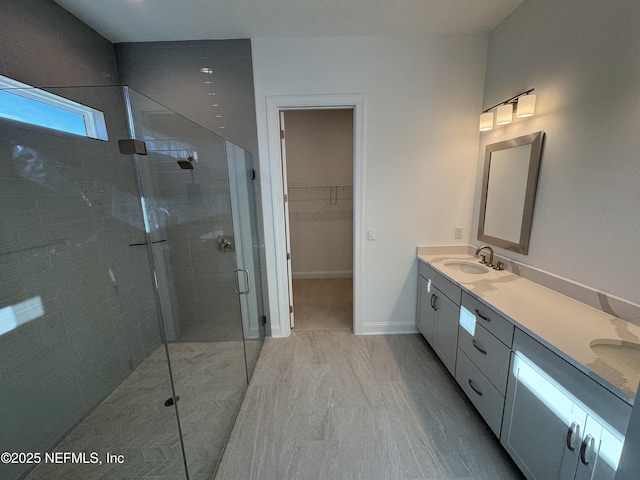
558	423
554	420
438	312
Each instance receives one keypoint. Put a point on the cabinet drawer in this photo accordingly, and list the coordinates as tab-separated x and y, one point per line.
443	284
488	353
495	323
483	395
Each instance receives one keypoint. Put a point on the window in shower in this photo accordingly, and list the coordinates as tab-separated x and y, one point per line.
24	103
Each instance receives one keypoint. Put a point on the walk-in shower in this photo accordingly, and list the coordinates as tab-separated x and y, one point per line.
127	334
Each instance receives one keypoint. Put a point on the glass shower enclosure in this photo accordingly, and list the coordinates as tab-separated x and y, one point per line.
132	298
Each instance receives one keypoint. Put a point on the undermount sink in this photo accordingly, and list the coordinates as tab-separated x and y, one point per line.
466	267
621	355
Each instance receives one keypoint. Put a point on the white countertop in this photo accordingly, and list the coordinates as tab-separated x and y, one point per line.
566	326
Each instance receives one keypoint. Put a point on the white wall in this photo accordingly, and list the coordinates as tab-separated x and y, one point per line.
320	155
319	147
422	98
583	59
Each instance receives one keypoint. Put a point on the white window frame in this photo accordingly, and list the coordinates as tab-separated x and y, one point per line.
94	121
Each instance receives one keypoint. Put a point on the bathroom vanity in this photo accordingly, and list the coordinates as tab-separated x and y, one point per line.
553	378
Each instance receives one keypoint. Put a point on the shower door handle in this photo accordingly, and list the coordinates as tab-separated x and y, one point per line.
236	281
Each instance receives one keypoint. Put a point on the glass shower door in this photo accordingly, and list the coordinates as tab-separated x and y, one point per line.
82	365
246	206
199	249
86	324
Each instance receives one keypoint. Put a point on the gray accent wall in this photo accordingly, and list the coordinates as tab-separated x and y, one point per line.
220	96
42	44
68	212
171	74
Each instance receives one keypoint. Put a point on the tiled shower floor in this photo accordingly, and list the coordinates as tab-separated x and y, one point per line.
133	422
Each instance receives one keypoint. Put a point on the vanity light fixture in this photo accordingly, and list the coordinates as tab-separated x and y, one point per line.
504	114
486	121
526	106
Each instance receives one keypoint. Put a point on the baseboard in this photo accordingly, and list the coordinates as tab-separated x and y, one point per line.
253	333
384	328
275	331
311	275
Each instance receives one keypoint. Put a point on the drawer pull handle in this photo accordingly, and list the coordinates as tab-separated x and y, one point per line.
574	428
474	388
486	319
586	443
481	350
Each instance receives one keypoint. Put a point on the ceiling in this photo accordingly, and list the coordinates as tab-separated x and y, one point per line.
156	20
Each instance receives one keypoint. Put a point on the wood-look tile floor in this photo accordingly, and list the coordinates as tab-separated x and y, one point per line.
323	304
332	405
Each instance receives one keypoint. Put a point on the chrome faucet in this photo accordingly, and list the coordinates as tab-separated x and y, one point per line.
486	247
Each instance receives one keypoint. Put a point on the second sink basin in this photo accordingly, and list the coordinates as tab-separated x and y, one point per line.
466	267
621	355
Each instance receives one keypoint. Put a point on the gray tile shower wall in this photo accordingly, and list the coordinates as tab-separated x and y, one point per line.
211	83
42	44
207	81
68	212
208	309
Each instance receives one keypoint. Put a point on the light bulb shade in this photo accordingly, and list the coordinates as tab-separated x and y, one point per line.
486	121
504	114
526	106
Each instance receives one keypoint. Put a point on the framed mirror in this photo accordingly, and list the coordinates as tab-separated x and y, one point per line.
509	185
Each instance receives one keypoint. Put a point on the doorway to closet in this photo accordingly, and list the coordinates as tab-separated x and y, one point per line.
317	162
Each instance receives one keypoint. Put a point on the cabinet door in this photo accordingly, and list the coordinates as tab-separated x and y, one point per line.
426	321
599	452
542	426
446	342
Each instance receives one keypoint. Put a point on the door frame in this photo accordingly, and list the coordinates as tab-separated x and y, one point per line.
275	104
287	219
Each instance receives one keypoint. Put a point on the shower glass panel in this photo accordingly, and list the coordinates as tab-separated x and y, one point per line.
119	273
82	368
203	230
247	209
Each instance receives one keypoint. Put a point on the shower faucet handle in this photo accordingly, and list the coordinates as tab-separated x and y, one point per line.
223	243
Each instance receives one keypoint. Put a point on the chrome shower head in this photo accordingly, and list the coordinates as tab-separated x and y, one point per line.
186	164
